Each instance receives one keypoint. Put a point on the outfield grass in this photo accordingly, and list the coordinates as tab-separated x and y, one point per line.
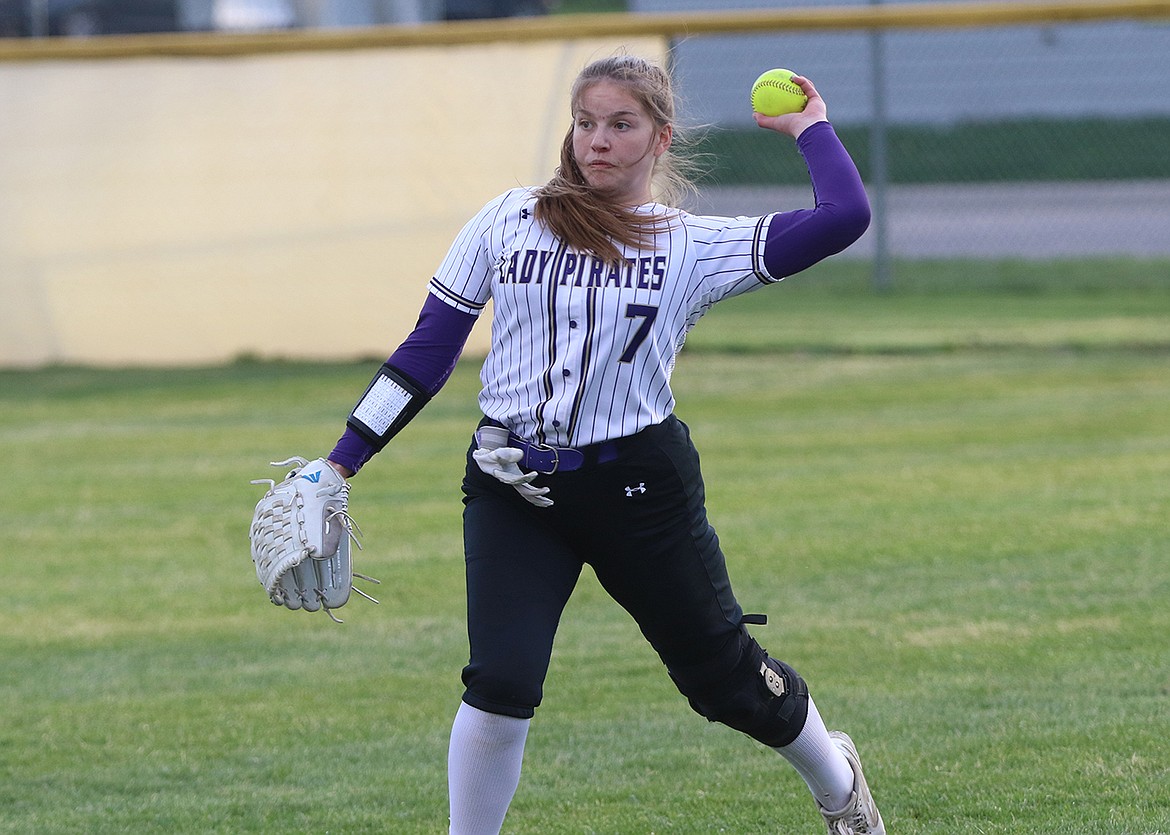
951	499
1021	150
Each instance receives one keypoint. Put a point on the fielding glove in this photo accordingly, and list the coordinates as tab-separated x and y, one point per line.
300	537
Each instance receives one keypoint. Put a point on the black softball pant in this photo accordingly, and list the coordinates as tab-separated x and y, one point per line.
639	521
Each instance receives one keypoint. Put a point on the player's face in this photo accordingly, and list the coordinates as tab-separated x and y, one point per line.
616	142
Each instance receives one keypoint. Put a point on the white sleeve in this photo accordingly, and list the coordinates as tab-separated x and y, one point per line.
729	253
464	278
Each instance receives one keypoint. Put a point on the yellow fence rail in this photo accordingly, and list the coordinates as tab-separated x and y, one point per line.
871	17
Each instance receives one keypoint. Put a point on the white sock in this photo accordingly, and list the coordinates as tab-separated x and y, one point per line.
483	769
821	763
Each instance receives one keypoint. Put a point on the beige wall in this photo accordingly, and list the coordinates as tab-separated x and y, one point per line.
190	209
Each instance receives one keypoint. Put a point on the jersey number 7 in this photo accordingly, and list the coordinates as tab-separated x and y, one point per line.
647	314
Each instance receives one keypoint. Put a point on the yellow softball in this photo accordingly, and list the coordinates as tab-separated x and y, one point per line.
775	92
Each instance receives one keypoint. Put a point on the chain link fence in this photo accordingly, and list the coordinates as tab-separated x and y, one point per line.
1042	140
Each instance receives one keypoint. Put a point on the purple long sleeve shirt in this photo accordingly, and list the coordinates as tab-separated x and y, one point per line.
794	241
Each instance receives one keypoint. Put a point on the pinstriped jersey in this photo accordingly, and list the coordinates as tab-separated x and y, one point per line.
583	351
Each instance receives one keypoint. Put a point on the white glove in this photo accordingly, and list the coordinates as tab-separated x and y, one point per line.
501	462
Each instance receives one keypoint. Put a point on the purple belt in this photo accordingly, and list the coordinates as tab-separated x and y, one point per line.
547	459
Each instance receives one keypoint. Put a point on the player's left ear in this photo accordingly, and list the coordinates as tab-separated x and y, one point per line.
665	137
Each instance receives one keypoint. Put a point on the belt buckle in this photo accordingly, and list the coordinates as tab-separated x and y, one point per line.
556	462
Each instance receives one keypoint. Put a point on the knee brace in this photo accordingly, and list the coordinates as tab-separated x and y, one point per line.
746	689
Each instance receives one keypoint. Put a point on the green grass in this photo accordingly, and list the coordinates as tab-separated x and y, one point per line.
588	6
1019	150
951	499
952	306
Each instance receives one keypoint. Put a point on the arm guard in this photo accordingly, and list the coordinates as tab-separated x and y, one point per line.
389	403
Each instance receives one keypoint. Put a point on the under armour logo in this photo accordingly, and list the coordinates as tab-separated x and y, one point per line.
524	213
641	488
315	478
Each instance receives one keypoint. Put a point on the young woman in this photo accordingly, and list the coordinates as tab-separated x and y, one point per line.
596	280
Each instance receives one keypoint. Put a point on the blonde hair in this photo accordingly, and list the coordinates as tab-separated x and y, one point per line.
588	220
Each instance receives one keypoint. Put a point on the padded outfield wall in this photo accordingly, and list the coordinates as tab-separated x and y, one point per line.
189	199
240	200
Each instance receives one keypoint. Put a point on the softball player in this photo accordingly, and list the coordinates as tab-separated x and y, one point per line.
579	457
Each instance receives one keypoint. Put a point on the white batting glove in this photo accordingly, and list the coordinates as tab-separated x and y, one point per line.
501	462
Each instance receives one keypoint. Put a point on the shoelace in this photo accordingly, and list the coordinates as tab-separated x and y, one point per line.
853	823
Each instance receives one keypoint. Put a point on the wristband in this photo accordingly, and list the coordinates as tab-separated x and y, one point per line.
389	403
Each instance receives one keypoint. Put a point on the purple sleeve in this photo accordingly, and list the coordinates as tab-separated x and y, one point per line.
797	240
427	356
